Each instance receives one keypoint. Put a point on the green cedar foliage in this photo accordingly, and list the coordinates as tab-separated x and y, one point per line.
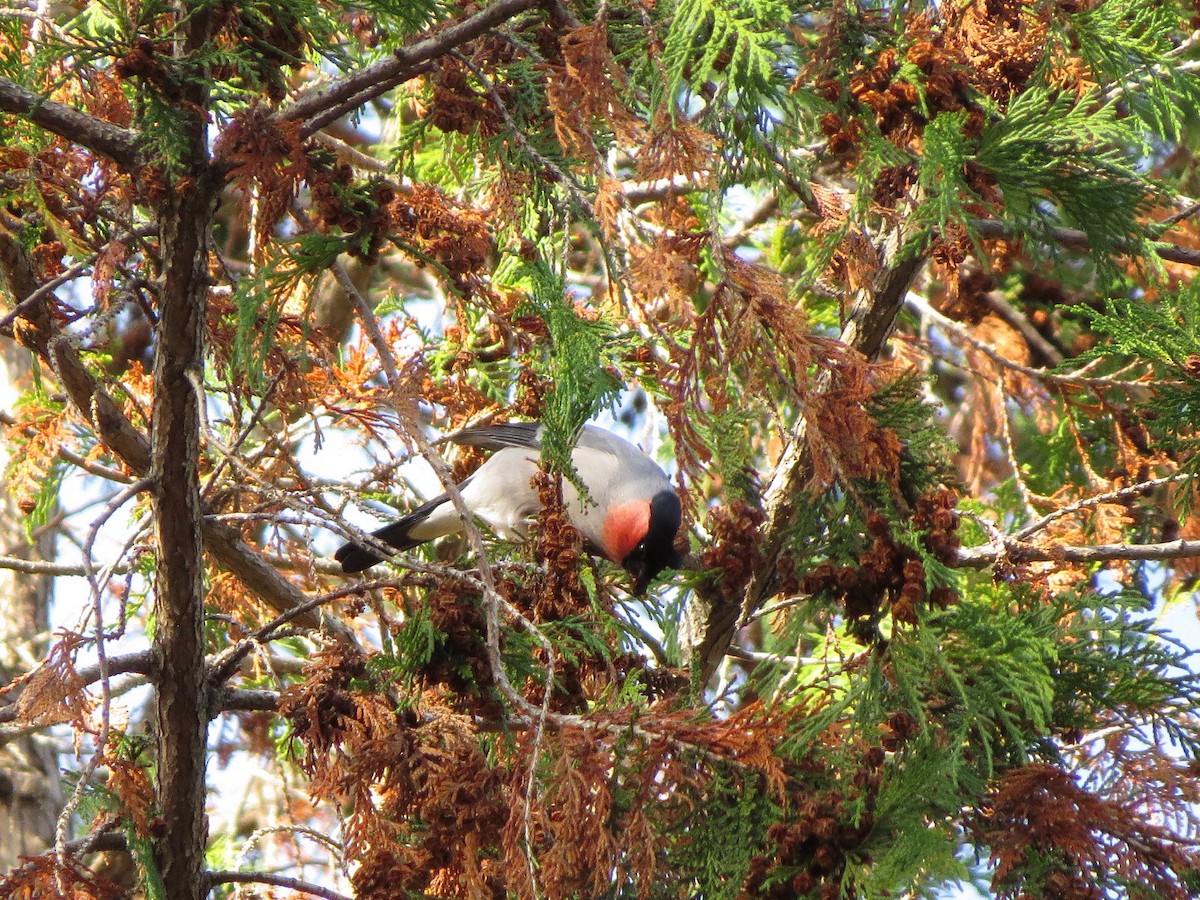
690	199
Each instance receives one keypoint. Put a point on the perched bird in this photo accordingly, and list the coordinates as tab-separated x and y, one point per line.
631	514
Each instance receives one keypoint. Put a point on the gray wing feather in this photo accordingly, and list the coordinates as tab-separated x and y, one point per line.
528	435
507	434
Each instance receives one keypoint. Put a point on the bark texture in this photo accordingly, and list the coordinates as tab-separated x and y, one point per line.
30	787
181	710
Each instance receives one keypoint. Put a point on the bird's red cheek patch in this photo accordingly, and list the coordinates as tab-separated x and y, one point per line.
625	528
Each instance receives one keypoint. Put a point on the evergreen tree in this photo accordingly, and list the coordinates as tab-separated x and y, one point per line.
901	294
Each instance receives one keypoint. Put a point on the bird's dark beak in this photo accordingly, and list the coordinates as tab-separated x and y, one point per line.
642	576
645	571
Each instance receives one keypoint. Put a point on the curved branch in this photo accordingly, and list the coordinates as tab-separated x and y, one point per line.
295	884
117	143
871	320
318	108
1074	239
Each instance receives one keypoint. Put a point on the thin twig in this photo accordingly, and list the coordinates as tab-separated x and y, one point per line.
73	272
284	881
94	583
1088	502
1017	551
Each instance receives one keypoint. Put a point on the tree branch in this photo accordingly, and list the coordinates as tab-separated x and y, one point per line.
871	320
1016	551
140	662
246	700
214	878
1074	239
117	143
320	107
35	329
51	568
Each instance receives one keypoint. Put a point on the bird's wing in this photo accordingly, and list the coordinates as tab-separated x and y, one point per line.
507	434
529	436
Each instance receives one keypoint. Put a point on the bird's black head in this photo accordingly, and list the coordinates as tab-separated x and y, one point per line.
656	551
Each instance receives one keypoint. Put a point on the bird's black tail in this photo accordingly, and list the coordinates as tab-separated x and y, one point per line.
355	558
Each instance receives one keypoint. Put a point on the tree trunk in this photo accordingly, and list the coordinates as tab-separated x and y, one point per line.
181	711
30	787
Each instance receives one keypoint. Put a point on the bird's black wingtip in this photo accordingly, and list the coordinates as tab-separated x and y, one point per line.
355	559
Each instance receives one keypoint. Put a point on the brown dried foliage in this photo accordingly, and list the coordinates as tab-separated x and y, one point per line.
429	811
560	546
814	842
1039	814
461	664
33	442
846	439
609	797
425	801
457	237
54	692
676	147
459	107
40	878
269	156
582	93
130	782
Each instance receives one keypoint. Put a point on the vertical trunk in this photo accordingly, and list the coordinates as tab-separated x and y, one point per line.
30	788
182	705
181	713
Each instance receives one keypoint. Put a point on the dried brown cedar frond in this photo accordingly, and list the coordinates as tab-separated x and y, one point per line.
610	200
40	877
462	665
228	595
571	119
507	196
387	871
106	100
268	160
675	147
321	708
734	549
54	692
33	441
560	545
456	236
570	822
1041	809
114	254
133	788
416	781
665	278
596	76
1002	42
457	106
846	439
